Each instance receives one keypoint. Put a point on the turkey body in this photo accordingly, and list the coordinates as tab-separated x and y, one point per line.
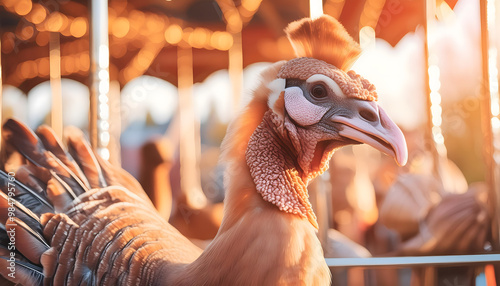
110	235
81	221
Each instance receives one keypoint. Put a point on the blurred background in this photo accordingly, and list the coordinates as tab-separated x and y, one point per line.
154	84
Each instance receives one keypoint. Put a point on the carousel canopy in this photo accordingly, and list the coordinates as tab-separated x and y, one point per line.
144	34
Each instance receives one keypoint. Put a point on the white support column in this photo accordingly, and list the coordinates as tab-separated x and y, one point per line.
1	92
490	109
99	124
315	8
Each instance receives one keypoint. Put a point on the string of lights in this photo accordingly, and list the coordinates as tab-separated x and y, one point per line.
125	29
99	91
491	110
493	77
433	84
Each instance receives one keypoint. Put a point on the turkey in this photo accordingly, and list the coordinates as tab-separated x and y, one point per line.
80	221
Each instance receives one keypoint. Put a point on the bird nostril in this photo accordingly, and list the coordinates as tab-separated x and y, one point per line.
368	115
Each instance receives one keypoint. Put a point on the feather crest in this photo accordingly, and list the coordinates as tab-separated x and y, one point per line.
324	39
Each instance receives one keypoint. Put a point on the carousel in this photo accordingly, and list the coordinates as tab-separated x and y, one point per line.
153	103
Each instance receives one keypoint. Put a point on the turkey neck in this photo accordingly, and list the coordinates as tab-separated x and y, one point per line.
272	161
267	176
261	241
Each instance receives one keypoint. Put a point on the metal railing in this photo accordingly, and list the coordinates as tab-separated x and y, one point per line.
477	260
414	261
449	270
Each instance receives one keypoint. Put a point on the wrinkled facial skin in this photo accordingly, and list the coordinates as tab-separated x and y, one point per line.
331	99
319	104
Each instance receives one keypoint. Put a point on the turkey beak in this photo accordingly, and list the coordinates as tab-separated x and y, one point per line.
371	125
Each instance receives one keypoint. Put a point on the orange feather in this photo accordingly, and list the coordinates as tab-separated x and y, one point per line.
325	39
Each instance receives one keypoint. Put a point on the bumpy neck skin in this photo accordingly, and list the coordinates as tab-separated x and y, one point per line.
265	237
270	157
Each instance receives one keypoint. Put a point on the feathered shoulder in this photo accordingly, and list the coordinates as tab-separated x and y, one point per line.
325	39
241	128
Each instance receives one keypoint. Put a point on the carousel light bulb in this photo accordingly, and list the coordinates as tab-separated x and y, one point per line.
173	34
104	125
103	57
103	98
78	27
495	123
366	37
251	5
54	22
104	137
104	153
120	27
23	7
435	98
104	111
37	14
493	81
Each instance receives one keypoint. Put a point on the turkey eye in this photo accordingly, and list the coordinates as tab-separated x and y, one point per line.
318	91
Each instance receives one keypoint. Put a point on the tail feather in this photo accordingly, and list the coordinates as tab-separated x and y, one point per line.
26	172
77	186
4	238
11	159
20	217
57	192
55	189
6	252
31	199
67	186
8	249
54	145
24	273
32	148
30	242
118	176
25	141
79	148
20	212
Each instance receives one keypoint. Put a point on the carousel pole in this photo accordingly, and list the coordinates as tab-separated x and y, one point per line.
315	8
490	111
56	116
1	93
368	21
189	133
320	188
234	26
434	135
99	121
236	68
